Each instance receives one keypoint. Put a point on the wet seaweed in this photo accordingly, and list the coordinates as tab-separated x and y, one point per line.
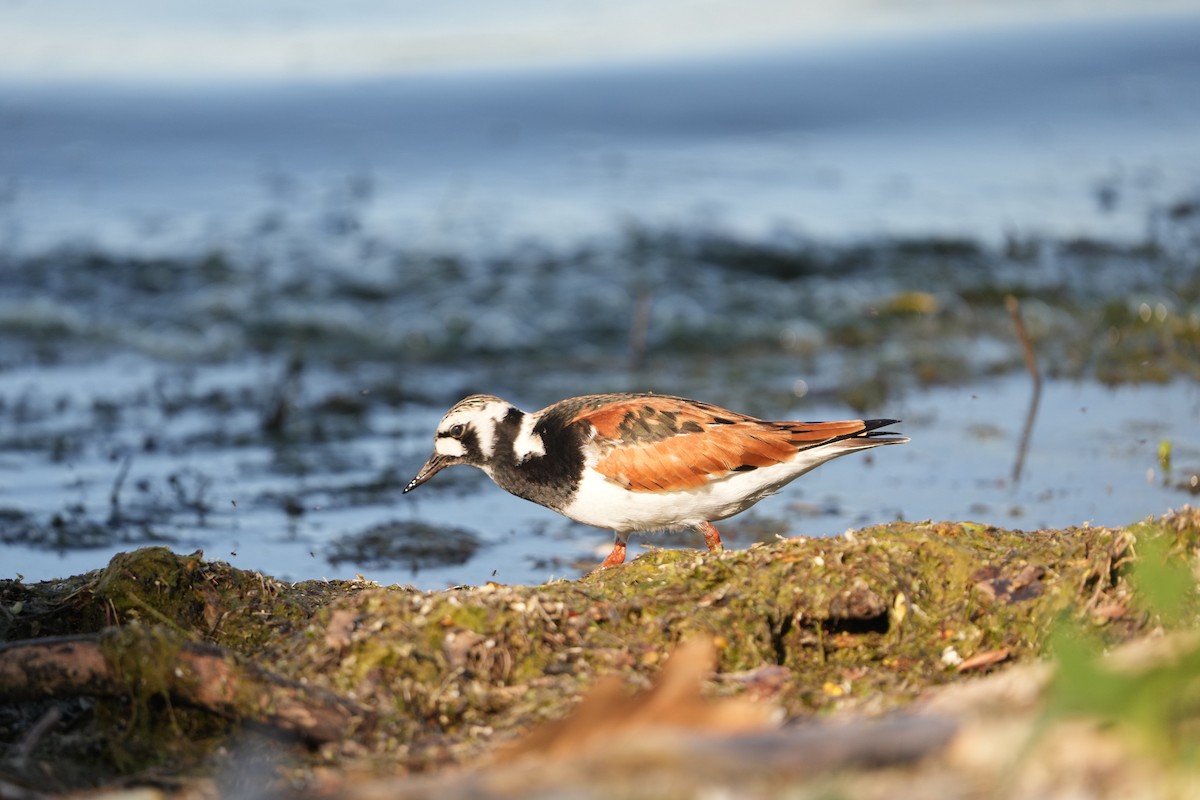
406	543
865	623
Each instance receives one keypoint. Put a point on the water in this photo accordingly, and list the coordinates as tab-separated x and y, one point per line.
1092	458
1084	129
131	40
237	300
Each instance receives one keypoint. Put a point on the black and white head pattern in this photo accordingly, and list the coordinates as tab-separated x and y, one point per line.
535	456
467	434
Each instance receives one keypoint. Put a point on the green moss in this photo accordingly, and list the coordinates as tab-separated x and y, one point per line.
869	621
145	728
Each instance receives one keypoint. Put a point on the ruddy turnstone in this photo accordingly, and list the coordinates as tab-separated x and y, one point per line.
639	462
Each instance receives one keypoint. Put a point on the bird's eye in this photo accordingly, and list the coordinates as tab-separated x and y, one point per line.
456	431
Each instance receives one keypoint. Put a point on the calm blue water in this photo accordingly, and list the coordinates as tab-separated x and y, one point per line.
1082	128
400	222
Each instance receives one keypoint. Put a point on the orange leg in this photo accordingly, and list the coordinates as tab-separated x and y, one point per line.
617	556
712	537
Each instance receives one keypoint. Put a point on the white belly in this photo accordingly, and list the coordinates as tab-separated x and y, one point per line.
605	504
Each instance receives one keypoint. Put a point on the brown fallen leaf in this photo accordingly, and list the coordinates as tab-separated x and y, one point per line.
608	712
985	659
339	631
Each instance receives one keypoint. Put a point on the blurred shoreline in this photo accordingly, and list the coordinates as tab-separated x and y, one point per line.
1080	130
127	41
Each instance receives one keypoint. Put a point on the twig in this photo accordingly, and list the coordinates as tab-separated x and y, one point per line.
11	791
154	612
36	734
275	420
1014	311
640	328
200	675
114	497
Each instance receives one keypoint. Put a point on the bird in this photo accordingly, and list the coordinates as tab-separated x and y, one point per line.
635	462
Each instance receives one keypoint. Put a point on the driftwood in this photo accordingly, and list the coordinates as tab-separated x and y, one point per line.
200	675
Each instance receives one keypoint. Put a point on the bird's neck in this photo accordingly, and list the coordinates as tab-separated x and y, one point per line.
502	439
535	461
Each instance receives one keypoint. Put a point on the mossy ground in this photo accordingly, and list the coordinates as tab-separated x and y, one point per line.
864	622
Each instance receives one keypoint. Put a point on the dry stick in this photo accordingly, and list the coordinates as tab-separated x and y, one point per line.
201	675
640	328
11	791
39	730
114	497
1014	311
275	420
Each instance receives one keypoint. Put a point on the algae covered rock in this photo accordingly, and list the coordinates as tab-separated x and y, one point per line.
861	623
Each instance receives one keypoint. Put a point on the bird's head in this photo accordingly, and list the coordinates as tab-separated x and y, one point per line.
466	435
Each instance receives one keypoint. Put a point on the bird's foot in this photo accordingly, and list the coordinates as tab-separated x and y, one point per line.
616	557
712	537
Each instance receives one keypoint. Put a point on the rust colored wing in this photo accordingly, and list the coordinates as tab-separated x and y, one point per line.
654	443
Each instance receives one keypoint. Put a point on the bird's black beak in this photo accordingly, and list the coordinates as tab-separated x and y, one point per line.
436	463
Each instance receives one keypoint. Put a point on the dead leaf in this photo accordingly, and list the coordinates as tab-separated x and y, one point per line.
341	624
985	659
608	712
